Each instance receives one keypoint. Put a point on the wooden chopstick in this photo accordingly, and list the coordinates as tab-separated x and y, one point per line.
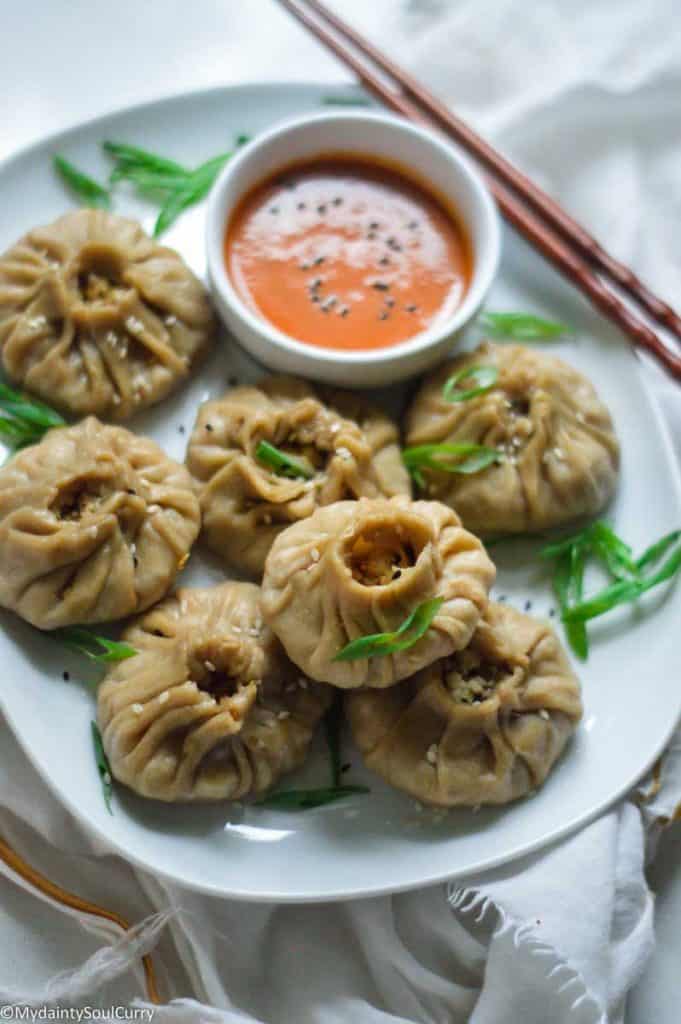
532	194
567	258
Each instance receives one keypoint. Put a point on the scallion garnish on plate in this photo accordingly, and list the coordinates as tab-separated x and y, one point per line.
378	645
24	420
464	457
281	463
96	648
103	766
522	326
89	191
632	577
174	186
483	379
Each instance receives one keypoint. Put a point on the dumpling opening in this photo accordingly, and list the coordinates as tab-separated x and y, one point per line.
379	553
80	496
99	277
219	668
471	678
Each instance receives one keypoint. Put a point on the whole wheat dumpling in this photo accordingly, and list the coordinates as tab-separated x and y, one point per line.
484	725
351	449
209	708
95	317
560	453
95	523
358	568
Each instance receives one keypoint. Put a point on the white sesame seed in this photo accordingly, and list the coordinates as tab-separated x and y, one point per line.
170	320
210	666
267	519
163	697
581	417
314	555
302	682
137	709
544	714
236	629
107	778
476	808
116	399
134	325
431	754
559	454
36	322
284	714
344	453
290	687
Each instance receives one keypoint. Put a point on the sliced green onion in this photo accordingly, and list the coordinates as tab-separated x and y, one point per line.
333	722
281	463
484	378
345	101
96	648
463	458
378	645
26	419
87	189
523	326
103	766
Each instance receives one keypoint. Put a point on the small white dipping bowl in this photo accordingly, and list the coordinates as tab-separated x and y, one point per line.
425	156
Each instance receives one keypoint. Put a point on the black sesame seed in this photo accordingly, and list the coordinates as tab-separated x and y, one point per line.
318	262
131	491
381	286
411	308
315	298
374	225
502	598
389	301
344	310
274	210
371	235
383	315
528	606
135	561
209	427
315	283
384	261
338	201
302	206
346	767
412	225
181	428
552	612
321	208
65	676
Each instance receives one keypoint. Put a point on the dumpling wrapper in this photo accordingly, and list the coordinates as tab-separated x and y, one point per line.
209	708
97	318
95	523
561	455
352	447
361	567
482	726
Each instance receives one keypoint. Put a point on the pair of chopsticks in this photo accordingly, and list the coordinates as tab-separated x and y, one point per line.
545	225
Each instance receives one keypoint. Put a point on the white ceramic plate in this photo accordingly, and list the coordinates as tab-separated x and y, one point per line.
380	842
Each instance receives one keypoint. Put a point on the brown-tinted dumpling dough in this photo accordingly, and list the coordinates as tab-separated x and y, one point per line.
361	567
95	523
482	726
561	456
352	448
209	708
96	317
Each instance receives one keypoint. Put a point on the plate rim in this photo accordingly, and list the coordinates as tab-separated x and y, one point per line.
66	800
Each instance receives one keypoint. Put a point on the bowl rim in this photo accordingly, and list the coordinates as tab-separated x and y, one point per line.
485	262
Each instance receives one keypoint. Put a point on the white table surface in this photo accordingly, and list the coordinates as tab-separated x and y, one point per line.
62	61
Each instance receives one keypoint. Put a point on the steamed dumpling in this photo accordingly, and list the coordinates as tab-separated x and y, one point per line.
351	447
95	317
95	523
560	454
362	567
209	708
482	726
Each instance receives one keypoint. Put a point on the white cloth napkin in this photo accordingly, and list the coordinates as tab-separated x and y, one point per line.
584	96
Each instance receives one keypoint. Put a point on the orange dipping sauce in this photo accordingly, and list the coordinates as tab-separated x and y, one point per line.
346	254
